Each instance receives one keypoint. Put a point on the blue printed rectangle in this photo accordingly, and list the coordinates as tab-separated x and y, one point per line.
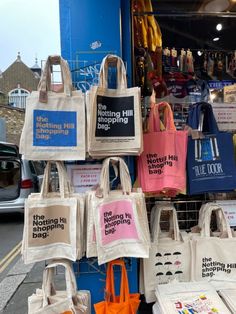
54	128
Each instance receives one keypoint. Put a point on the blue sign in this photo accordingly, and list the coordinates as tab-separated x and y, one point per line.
220	84
54	128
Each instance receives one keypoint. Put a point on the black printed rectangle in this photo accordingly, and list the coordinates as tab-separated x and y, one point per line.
115	116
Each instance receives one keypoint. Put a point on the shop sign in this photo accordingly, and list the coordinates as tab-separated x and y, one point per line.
229	208
84	177
225	115
219	84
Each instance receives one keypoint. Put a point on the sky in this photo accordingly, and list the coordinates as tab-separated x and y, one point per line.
30	27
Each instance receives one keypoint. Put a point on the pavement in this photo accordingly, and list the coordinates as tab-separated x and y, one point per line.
21	282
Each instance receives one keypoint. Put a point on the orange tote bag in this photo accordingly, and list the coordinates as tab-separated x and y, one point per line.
125	303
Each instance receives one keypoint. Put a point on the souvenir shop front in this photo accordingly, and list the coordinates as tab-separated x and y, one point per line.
143	139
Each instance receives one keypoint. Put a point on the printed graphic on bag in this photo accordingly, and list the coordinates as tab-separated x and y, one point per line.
206	149
49	225
211	267
157	164
115	116
54	128
195	304
169	266
117	221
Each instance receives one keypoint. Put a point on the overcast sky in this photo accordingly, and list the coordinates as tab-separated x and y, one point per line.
30	27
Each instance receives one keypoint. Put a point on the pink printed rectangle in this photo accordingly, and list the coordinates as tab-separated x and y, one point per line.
117	221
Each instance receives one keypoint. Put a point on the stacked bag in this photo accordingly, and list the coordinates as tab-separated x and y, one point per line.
114	115
162	164
117	219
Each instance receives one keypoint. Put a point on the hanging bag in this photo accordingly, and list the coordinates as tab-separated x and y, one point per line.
48	300
54	127
170	254
161	166
125	303
214	253
210	158
51	226
115	126
119	218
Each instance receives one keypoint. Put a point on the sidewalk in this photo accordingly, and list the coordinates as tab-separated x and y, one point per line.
21	282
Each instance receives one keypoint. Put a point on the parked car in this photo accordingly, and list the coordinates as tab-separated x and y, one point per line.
18	178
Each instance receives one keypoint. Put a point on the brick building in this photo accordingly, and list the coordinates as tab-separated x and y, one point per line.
16	83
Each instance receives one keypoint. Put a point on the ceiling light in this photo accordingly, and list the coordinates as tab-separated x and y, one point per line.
199	53
219	26
216	39
216	5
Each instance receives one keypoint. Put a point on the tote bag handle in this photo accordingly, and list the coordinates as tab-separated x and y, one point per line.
110	282
120	72
201	118
158	209
208	207
45	81
154	121
224	224
64	185
48	285
125	179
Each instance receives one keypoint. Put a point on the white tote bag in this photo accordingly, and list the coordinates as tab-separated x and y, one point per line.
214	254
119	218
51	223
115	121
50	301
190	297
54	127
229	297
170	253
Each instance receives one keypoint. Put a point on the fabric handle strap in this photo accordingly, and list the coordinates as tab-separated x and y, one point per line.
124	175
120	71
154	121
48	274
173	221
45	81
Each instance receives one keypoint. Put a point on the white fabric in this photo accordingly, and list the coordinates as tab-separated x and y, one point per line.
189	297
104	135
170	253
119	231
229	297
214	254
54	222
49	301
54	127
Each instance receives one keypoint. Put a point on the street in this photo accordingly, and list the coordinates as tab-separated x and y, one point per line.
11	230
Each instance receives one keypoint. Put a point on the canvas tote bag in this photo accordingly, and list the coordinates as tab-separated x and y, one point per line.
119	218
125	303
162	164
54	127
189	298
170	254
210	159
115	123
81	214
48	300
50	226
214	253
